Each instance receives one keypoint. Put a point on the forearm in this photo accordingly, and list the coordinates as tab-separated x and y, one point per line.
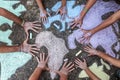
115	62
39	2
5	13
91	75
107	22
35	75
6	49
89	4
63	3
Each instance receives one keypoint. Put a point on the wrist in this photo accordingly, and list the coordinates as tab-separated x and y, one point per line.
63	77
23	22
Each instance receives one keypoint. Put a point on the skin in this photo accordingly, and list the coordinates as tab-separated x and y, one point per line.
42	62
64	71
79	19
112	19
92	52
66	68
44	13
83	66
27	26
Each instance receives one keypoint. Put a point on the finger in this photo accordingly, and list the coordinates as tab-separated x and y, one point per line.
40	56
84	60
37	59
35	22
57	11
47	59
48	14
71	70
43	56
42	19
68	64
32	51
64	64
37	25
45	20
48	69
36	31
74	26
71	66
37	49
39	28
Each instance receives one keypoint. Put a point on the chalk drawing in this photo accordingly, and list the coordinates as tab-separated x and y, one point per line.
76	10
56	49
98	70
10	61
105	37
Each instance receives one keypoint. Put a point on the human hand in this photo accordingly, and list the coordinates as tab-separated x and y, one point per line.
43	16
66	68
63	12
77	22
91	50
34	26
81	64
42	61
86	37
28	48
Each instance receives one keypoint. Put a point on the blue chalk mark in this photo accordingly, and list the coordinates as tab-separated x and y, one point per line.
76	11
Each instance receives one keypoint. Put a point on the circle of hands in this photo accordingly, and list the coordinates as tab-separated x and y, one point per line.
67	66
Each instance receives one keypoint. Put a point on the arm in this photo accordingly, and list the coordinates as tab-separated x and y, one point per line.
26	25
79	19
25	47
66	68
11	16
63	3
107	22
5	49
89	4
39	2
41	66
92	51
83	66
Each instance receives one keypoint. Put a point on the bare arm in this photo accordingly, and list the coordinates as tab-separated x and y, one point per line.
92	51
91	74
36	74
63	3
41	66
39	2
115	62
107	22
5	49
83	66
5	13
89	4
78	21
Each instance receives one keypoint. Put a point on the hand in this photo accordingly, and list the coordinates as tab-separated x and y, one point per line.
27	48
86	36
42	61
34	26
77	22
81	64
63	12
91	50
43	16
66	68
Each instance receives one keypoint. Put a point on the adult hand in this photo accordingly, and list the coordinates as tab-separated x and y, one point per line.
34	26
91	50
43	16
86	36
28	48
77	22
63	12
42	61
81	64
66	68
